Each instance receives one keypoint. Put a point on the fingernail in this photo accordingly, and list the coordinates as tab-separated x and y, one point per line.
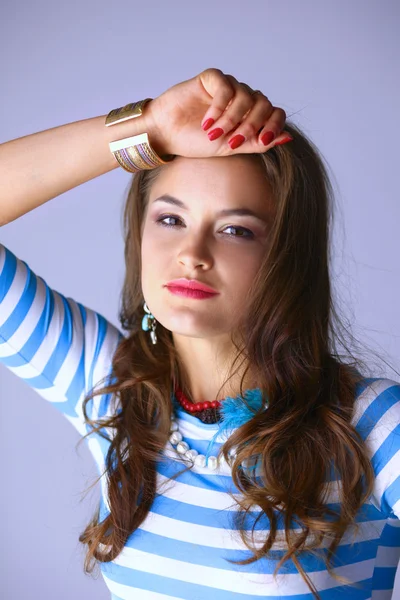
267	137
283	141
215	133
236	141
207	124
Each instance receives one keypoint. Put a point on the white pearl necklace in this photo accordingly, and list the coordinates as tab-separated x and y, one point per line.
183	448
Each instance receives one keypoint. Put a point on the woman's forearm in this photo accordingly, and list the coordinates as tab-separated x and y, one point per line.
43	165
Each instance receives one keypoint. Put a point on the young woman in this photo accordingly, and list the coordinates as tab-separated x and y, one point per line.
240	454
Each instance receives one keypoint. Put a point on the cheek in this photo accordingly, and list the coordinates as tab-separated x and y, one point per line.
153	263
150	246
246	263
242	276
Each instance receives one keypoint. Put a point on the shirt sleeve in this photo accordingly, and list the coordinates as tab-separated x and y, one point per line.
378	422
59	347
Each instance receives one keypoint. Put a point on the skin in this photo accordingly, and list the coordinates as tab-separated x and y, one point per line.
203	246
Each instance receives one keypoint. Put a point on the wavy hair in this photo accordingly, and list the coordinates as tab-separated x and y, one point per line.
290	338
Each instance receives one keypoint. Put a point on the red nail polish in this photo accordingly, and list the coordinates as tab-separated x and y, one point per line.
283	141
236	141
207	124
215	133
267	137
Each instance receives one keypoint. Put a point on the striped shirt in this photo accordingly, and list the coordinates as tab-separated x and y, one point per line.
62	349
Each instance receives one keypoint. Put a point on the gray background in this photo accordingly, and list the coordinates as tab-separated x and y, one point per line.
330	65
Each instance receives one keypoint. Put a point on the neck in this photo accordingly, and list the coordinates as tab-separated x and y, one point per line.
204	368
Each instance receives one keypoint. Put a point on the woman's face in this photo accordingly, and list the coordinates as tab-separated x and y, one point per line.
222	251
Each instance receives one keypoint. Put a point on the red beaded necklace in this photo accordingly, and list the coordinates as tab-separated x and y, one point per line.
206	411
198	406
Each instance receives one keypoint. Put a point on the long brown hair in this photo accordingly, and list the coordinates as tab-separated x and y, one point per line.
291	337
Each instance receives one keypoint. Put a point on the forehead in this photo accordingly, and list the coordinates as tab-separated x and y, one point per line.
218	177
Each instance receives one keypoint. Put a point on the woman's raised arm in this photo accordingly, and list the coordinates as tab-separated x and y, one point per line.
41	166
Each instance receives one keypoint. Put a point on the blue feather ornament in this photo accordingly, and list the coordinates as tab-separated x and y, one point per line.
235	412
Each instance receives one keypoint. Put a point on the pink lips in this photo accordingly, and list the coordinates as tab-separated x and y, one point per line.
190	284
190	293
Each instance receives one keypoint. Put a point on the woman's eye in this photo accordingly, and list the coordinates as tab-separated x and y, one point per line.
248	234
162	219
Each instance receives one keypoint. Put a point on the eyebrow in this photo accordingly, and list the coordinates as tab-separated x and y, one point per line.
222	213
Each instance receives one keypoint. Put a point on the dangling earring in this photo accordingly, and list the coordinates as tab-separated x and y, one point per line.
149	322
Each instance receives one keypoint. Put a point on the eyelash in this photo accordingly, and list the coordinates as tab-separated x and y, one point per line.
250	235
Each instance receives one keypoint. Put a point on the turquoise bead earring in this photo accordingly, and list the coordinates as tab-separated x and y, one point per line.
149	322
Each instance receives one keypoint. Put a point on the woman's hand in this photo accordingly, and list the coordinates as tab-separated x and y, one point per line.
174	119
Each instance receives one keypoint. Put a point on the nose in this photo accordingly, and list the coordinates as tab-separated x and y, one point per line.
195	253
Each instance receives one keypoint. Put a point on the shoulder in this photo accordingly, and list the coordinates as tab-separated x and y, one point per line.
376	398
376	418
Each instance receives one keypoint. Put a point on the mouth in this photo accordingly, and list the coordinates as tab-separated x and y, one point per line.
190	292
192	284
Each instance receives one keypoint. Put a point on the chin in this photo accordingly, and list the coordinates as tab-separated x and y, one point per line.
200	331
